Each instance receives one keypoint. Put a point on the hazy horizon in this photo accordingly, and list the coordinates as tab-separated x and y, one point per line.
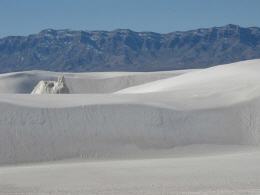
30	17
92	30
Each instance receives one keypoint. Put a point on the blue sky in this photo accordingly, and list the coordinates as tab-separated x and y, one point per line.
22	17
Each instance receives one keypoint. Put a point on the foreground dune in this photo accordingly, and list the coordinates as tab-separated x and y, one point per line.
137	115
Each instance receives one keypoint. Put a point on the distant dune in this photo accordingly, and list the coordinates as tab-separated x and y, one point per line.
102	82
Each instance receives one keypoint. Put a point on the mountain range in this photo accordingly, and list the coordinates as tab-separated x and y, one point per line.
127	50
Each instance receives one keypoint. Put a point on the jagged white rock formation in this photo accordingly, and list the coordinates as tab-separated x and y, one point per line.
51	87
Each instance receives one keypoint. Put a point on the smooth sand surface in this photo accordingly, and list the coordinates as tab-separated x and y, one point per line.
236	173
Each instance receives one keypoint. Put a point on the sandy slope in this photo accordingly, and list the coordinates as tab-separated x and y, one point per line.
211	81
30	134
219	105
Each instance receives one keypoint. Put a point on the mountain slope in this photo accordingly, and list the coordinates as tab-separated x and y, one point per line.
126	50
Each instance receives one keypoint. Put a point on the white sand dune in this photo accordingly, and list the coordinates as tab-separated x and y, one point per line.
223	109
116	129
215	106
211	81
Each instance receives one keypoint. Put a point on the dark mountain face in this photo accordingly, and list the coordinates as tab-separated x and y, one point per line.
125	50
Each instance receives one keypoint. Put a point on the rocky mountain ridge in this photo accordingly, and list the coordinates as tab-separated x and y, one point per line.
126	50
